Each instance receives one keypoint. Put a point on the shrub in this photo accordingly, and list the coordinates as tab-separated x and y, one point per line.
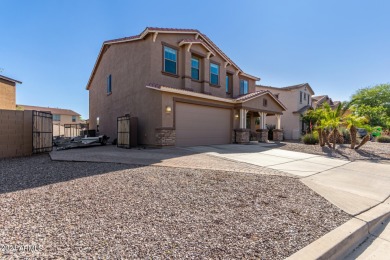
270	131
383	139
310	138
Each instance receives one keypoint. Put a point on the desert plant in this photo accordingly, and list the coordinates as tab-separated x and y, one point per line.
353	122
310	138
270	131
383	139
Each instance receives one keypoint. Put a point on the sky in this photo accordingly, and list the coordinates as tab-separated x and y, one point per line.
337	47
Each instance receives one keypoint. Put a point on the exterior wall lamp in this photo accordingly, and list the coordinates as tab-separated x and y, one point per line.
236	115
168	109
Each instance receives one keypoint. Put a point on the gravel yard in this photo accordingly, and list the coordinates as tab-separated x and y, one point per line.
90	210
370	151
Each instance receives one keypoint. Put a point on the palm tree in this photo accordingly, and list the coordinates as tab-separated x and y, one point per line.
365	139
353	122
332	120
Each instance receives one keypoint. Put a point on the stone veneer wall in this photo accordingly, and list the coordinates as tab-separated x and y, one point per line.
263	135
242	136
165	137
277	134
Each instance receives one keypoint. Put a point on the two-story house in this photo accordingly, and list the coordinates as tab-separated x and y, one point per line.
8	93
297	99
182	88
66	122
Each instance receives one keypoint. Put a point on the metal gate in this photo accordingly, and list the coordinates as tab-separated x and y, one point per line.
123	127
42	132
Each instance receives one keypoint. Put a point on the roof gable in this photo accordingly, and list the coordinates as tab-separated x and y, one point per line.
290	88
200	38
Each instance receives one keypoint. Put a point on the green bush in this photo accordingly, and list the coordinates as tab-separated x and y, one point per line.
310	138
383	139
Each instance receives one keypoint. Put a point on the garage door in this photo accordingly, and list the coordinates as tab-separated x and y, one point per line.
202	125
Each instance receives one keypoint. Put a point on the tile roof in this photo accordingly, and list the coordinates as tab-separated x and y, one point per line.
9	79
239	99
251	95
171	29
122	39
289	87
303	109
318	97
56	111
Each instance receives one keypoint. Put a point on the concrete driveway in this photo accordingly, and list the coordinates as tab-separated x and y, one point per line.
352	186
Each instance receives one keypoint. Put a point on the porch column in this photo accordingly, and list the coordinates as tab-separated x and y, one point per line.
277	132
277	121
263	128
263	120
242	135
243	118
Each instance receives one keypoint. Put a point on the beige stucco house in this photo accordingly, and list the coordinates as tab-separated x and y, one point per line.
8	93
66	122
297	99
182	88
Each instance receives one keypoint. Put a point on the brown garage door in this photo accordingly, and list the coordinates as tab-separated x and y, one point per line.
202	125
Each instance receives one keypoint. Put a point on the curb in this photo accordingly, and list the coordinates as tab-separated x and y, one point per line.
342	241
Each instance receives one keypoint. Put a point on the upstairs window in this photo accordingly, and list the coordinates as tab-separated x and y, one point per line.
265	102
195	68
214	74
244	89
227	84
170	60
74	118
109	87
56	117
300	97
304	96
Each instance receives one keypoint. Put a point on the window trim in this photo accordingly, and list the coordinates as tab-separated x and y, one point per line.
164	44
247	91
219	73
265	102
199	59
55	116
300	97
109	85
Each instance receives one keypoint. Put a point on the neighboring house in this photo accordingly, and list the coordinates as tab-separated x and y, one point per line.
297	99
320	100
8	93
61	117
182	88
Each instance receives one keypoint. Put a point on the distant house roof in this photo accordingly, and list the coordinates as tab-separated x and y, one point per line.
10	80
55	111
307	85
199	38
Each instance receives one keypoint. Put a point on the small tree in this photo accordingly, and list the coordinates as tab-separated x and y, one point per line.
353	122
